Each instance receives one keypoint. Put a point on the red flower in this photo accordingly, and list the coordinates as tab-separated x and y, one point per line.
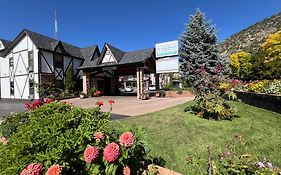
90	154
203	70
234	82
127	139
97	93
98	136
218	68
126	170
110	102
32	169
27	105
49	100
111	152
99	103
54	170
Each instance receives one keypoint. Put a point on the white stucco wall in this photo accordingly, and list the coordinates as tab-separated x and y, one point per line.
20	73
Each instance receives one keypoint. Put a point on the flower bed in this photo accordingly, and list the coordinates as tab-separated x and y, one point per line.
173	93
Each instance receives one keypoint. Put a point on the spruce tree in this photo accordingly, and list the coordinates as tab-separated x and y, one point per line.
70	80
199	53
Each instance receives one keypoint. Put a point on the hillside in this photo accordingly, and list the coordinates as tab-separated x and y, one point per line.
250	38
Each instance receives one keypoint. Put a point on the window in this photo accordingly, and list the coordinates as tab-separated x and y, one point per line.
30	61
58	62
11	62
31	87
12	88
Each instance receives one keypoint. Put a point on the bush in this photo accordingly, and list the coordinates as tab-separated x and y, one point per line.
70	80
212	106
54	133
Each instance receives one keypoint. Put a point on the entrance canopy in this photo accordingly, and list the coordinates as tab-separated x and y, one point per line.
107	66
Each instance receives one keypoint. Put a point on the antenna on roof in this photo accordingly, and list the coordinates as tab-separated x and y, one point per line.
56	25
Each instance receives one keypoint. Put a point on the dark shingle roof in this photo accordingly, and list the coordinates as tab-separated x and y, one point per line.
126	58
44	42
6	43
117	53
88	54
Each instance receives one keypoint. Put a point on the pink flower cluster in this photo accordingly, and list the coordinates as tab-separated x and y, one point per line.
99	136
127	139
111	152
36	103
37	169
90	154
32	169
54	170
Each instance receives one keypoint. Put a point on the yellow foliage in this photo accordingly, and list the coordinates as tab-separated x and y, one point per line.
272	48
239	61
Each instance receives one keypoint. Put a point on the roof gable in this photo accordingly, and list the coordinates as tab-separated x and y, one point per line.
110	54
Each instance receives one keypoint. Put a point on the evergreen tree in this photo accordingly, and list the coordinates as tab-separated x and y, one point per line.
199	52
70	80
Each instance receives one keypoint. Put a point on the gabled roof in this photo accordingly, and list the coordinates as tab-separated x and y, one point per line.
46	43
138	56
117	53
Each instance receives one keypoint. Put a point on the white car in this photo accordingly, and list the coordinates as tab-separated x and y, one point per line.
152	88
128	89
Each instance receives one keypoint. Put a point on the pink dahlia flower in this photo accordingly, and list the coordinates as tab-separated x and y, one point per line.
3	140
90	154
127	139
54	170
126	170
111	152
98	136
32	169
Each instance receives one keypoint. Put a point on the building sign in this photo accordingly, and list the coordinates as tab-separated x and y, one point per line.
170	48
167	65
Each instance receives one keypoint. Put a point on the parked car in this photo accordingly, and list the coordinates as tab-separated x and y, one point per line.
152	87
128	89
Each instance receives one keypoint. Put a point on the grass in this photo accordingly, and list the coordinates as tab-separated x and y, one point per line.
175	135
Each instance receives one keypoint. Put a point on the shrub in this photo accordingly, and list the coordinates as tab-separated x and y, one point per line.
70	80
212	106
55	133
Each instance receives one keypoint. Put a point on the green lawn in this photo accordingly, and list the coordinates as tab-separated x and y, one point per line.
176	135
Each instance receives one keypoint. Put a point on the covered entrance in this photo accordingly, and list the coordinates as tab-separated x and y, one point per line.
107	70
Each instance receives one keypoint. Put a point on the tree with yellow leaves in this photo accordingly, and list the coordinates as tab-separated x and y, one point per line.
240	64
271	49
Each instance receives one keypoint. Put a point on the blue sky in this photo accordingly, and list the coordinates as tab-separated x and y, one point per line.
127	24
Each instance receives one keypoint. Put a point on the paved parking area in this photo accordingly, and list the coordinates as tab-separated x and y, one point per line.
10	106
129	105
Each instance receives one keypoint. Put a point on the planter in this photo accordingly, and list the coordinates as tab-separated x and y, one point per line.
172	93
266	101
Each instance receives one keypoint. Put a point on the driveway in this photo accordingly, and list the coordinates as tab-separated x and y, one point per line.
10	106
126	106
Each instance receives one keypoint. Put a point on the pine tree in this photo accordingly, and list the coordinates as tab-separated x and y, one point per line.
199	52
69	80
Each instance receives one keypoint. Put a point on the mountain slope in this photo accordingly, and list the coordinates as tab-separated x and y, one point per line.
250	38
